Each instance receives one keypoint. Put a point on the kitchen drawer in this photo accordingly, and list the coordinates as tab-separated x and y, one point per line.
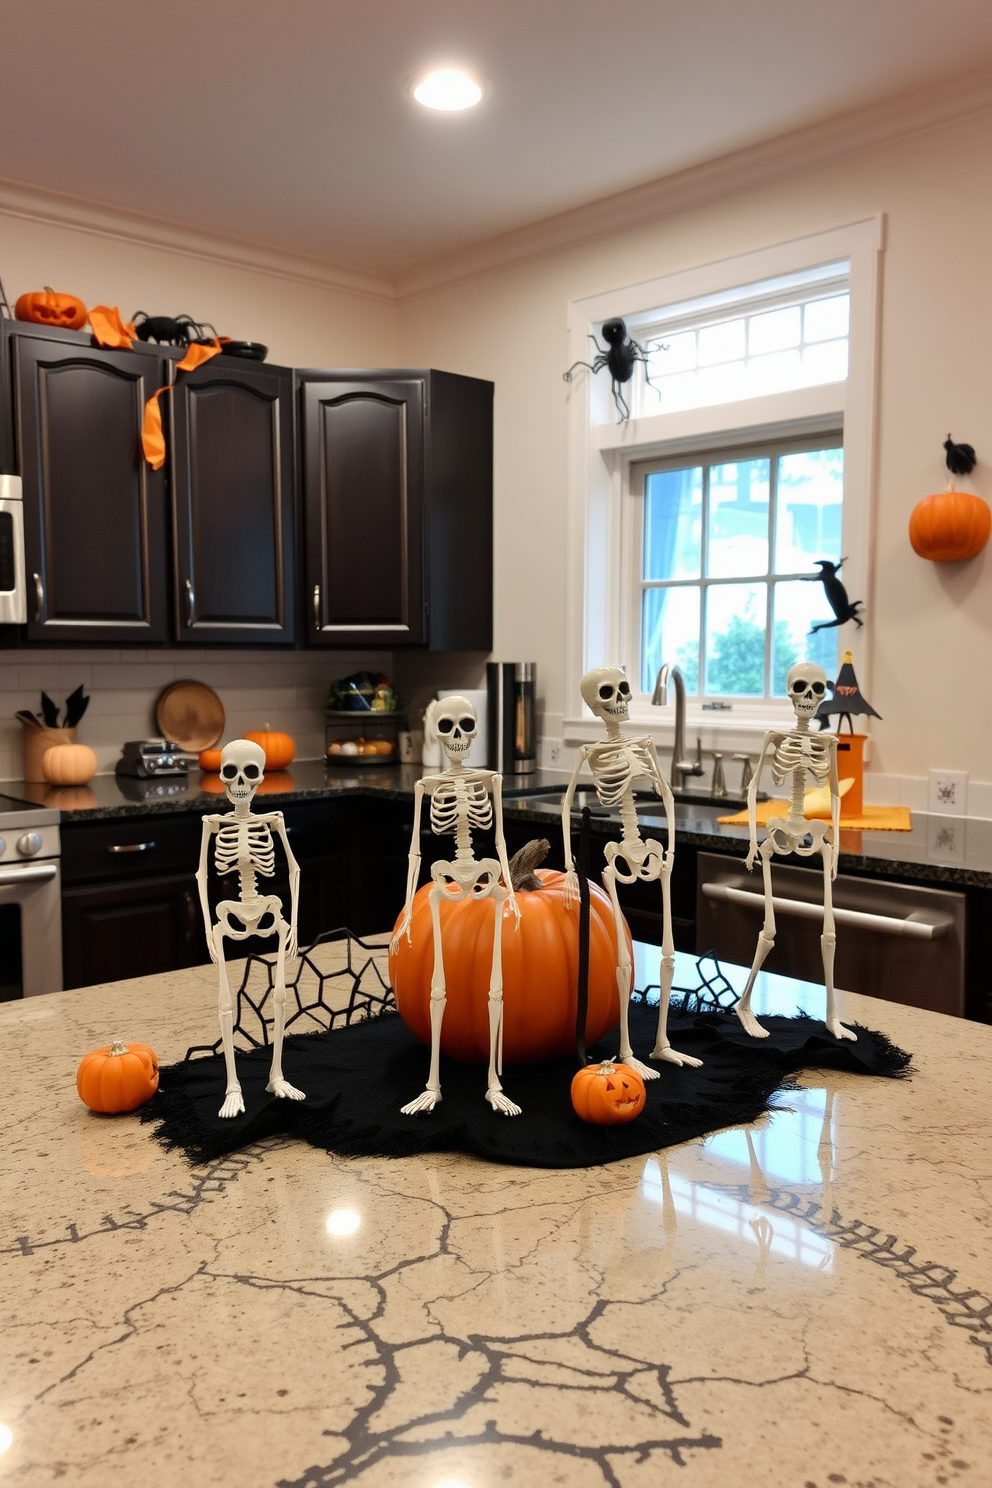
130	847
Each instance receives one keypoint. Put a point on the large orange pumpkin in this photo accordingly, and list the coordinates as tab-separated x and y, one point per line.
280	750
69	764
608	1094
117	1077
540	971
209	760
950	526
45	307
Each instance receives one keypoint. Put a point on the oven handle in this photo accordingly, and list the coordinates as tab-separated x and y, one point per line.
119	847
883	924
30	873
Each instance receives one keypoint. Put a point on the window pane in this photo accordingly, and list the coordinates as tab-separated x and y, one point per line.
808	520
825	319
672	353
673	507
670	632
796	607
826	362
774	331
735	639
738	519
721	343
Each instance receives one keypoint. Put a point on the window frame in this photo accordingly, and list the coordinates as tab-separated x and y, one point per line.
600	451
632	528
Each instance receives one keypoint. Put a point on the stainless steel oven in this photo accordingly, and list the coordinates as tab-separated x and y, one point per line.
30	900
903	942
13	591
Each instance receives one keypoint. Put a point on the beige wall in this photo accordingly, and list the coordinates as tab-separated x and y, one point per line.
930	625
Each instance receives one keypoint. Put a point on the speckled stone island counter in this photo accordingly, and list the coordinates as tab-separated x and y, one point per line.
802	1304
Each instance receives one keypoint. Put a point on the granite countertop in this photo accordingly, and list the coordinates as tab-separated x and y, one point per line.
938	849
803	1303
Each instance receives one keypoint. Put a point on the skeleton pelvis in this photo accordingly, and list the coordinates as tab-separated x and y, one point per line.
787	839
631	861
239	920
468	880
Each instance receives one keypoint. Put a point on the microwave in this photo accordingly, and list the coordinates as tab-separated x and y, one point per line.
13	595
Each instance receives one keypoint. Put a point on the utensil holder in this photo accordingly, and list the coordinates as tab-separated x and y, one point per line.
36	741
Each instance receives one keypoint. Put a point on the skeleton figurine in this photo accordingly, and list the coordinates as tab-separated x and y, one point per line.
795	756
461	801
243	843
615	764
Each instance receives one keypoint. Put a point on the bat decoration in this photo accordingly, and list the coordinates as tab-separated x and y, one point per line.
844	609
961	458
620	355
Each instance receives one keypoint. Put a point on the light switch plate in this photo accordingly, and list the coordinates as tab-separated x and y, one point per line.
948	795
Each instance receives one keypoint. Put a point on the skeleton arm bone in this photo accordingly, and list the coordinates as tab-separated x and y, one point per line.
278	824
834	806
413	868
665	791
771	740
208	830
571	896
497	787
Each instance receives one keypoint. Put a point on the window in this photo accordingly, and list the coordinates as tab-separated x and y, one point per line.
727	545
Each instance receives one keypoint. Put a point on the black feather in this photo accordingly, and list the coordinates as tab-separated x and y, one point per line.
961	458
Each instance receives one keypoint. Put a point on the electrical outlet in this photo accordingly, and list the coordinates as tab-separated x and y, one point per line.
555	748
948	795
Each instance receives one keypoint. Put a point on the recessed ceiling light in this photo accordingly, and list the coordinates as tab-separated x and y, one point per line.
447	89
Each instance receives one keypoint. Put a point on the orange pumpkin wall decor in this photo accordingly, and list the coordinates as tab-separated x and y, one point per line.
540	969
951	525
117	1077
608	1094
45	307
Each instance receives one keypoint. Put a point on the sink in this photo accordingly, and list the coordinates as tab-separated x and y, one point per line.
646	802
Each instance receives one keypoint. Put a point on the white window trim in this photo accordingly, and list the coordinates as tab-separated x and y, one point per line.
600	450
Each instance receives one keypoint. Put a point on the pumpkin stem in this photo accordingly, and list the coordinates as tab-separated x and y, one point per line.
523	863
118	1047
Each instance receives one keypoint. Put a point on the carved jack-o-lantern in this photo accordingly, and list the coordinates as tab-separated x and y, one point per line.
608	1094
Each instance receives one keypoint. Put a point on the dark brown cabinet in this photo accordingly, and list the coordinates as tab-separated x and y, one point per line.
232	504
397	495
95	512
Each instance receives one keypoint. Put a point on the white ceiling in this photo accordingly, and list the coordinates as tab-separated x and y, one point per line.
287	122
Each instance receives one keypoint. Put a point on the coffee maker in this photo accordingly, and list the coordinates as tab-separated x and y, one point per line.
511	687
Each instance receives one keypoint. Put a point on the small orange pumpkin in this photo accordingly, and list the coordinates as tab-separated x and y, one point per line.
68	764
209	760
608	1094
950	526
280	750
45	307
117	1077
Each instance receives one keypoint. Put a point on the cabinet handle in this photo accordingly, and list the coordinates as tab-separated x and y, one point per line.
316	606
130	847
190	604
864	920
39	596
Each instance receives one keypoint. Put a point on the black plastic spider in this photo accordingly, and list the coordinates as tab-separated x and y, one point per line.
168	330
620	354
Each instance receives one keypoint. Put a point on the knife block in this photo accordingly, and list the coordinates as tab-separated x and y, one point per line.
36	741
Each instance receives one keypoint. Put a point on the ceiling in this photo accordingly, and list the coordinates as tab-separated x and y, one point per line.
287	123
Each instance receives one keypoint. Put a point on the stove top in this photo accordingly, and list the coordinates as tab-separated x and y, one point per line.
24	814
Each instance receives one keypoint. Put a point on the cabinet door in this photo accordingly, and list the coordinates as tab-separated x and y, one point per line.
363	467
232	502
136	928
95	519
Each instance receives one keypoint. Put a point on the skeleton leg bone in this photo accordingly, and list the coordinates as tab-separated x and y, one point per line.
765	942
828	945
494	1090
432	1094
234	1104
278	1084
625	972
662	1048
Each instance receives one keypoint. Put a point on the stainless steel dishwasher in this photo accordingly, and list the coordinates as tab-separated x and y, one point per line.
903	942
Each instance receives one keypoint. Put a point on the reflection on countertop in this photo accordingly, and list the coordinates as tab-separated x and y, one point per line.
806	1300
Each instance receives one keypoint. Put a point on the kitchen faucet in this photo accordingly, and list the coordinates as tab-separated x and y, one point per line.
681	767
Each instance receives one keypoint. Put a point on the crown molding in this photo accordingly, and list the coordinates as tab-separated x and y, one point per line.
57	209
852	133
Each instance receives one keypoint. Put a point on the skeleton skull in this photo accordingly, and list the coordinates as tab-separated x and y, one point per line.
455	723
806	685
607	692
241	768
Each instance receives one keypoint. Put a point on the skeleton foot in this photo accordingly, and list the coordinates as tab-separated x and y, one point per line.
425	1102
234	1104
502	1103
668	1055
750	1022
839	1031
644	1070
283	1088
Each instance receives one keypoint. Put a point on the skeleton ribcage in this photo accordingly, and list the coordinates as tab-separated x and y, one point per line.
466	799
615	767
797	751
245	845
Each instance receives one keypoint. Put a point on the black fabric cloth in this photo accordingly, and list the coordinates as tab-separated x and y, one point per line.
357	1078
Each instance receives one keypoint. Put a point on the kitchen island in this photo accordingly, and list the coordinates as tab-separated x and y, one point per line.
804	1303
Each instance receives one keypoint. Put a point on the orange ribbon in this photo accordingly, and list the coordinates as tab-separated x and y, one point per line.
108	328
152	437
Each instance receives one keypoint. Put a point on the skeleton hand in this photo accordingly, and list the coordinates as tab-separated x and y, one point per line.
212	948
292	946
404	929
511	900
752	857
570	896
